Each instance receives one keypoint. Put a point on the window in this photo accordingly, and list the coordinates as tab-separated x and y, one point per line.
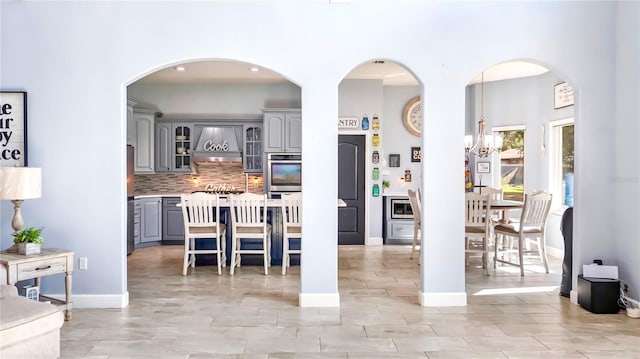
561	162
511	162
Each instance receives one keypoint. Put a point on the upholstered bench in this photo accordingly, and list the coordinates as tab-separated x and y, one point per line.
28	329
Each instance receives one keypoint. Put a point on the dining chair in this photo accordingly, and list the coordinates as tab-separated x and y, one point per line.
530	228
477	227
416	208
291	207
495	194
249	221
201	215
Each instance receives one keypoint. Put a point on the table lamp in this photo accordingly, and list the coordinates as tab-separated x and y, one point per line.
18	184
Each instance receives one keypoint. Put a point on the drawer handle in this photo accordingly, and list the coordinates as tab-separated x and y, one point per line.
43	268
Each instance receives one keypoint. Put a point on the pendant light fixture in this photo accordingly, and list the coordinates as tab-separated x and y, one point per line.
485	144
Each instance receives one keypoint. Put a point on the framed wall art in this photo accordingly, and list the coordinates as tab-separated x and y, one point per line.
394	160
416	154
483	167
13	129
562	95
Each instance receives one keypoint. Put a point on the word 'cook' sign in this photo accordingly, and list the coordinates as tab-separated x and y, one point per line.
13	129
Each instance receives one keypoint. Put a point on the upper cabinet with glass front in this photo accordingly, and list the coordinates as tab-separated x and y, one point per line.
173	146
252	154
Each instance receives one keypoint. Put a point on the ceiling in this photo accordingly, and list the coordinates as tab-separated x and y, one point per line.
391	73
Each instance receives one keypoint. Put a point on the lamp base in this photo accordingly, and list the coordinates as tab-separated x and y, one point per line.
17	223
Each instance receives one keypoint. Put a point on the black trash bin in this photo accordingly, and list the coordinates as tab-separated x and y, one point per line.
566	227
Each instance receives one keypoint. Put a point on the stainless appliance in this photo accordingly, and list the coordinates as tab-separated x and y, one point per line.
400	208
397	227
284	172
130	204
218	144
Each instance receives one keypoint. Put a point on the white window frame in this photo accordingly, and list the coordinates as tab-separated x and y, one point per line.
496	178
555	163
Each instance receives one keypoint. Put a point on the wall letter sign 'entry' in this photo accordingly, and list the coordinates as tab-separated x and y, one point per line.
13	129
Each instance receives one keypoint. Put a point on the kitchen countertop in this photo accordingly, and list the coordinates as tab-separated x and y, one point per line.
341	203
157	195
400	194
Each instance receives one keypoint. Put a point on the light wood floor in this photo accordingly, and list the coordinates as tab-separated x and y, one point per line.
204	315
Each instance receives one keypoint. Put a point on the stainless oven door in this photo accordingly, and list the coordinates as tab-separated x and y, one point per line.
401	208
284	172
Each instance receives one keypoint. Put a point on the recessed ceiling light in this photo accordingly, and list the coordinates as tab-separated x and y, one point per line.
254	69
179	68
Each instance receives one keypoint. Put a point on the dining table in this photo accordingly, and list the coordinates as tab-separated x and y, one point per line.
505	205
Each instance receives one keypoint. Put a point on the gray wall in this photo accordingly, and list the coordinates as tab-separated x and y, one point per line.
76	83
398	140
625	233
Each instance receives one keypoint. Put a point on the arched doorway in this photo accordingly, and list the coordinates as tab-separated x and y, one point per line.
375	169
168	111
531	108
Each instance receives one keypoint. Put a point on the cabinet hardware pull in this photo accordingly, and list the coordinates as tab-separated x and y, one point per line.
43	268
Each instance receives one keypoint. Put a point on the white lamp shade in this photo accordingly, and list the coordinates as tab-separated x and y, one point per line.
20	183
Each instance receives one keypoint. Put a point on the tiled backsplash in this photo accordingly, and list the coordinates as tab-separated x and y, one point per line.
219	174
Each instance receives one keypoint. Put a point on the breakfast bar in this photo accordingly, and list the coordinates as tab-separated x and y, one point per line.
274	217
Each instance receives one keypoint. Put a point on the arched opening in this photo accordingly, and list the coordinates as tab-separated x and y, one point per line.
170	111
531	108
378	162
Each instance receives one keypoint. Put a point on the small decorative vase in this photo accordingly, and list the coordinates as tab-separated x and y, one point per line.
29	248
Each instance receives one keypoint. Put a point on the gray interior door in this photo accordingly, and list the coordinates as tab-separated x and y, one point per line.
351	151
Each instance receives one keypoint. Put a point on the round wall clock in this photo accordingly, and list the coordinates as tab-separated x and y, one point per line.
412	116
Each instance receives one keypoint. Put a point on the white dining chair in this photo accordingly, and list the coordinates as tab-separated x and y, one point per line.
477	227
249	221
416	208
291	206
531	228
201	215
495	194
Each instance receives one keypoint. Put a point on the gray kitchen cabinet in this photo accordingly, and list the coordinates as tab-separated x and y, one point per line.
182	146
282	130
141	136
172	221
173	146
137	221
163	147
130	124
252	154
150	219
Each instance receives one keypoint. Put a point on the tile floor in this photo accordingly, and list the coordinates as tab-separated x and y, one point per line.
253	316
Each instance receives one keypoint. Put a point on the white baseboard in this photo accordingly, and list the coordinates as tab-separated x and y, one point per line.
573	296
97	301
450	299
319	300
373	241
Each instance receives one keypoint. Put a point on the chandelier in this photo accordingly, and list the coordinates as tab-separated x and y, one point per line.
485	144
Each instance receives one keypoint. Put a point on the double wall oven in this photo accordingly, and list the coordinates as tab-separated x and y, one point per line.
284	173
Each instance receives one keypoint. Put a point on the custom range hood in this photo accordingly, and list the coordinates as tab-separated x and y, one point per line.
217	144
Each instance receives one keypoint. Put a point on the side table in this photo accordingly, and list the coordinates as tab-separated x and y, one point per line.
35	266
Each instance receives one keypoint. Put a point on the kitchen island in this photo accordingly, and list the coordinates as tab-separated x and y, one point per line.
172	226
